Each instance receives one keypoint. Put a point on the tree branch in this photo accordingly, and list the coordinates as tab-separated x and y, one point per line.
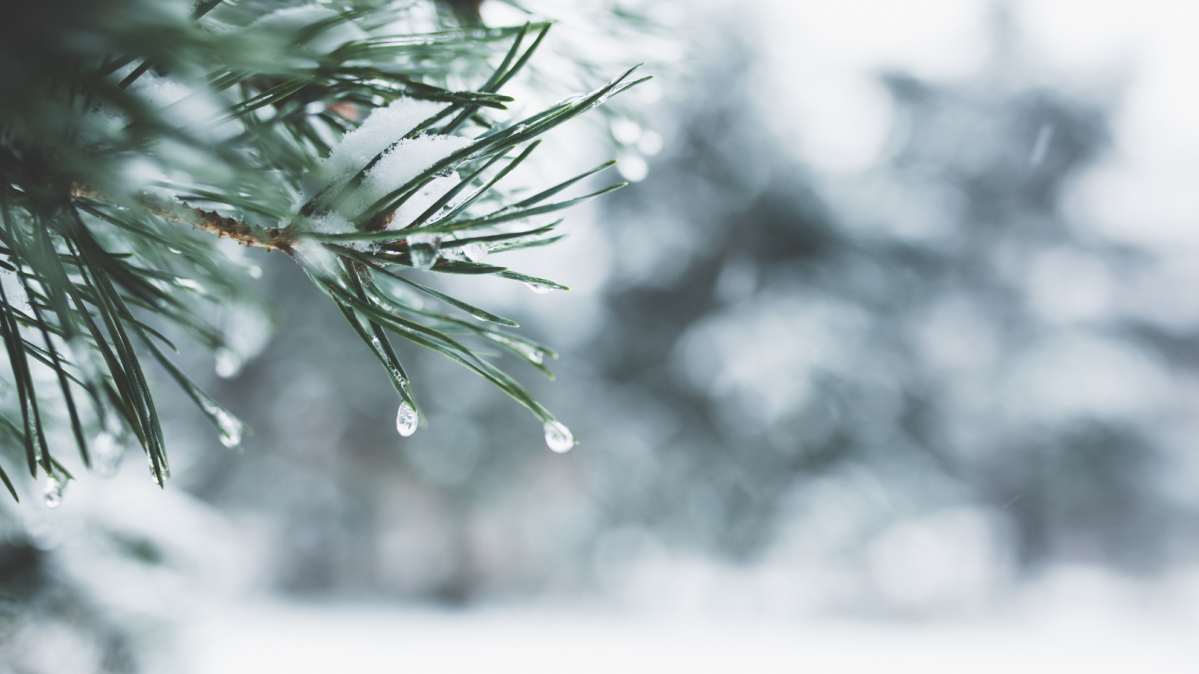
271	238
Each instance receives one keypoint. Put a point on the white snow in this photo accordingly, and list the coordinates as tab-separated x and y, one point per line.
14	291
300	638
398	165
382	128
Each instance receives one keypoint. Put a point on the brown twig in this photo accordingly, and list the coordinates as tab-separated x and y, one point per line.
271	238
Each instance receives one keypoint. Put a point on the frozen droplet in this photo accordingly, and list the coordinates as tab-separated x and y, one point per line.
52	492
406	420
228	362
230	428
106	454
475	252
539	288
424	249
558	436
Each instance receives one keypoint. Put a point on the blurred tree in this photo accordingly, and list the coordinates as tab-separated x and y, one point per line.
931	322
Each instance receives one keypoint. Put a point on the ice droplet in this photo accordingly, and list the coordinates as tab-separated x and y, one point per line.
539	288
406	420
52	493
230	429
106	454
228	363
424	249
558	436
475	252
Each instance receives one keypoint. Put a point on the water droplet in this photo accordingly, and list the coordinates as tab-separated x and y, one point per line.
475	252
558	436
106	454
406	420
424	249
52	493
228	363
230	427
539	288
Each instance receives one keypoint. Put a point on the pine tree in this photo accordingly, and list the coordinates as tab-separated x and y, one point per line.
365	141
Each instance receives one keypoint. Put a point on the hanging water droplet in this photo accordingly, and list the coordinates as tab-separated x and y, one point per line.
230	427
228	362
406	420
539	288
106	454
558	436
475	252
423	249
52	493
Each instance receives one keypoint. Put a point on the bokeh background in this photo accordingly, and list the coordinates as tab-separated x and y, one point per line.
888	357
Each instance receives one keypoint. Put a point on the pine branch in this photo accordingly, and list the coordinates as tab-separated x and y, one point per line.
209	221
263	146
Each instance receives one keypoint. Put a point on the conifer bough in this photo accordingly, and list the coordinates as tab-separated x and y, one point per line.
332	132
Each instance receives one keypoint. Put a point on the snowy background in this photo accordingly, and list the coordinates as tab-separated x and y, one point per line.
887	360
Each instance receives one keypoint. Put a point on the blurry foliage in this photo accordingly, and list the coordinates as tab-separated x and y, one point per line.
895	323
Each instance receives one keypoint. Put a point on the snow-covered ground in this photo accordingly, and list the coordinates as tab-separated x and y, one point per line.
299	638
